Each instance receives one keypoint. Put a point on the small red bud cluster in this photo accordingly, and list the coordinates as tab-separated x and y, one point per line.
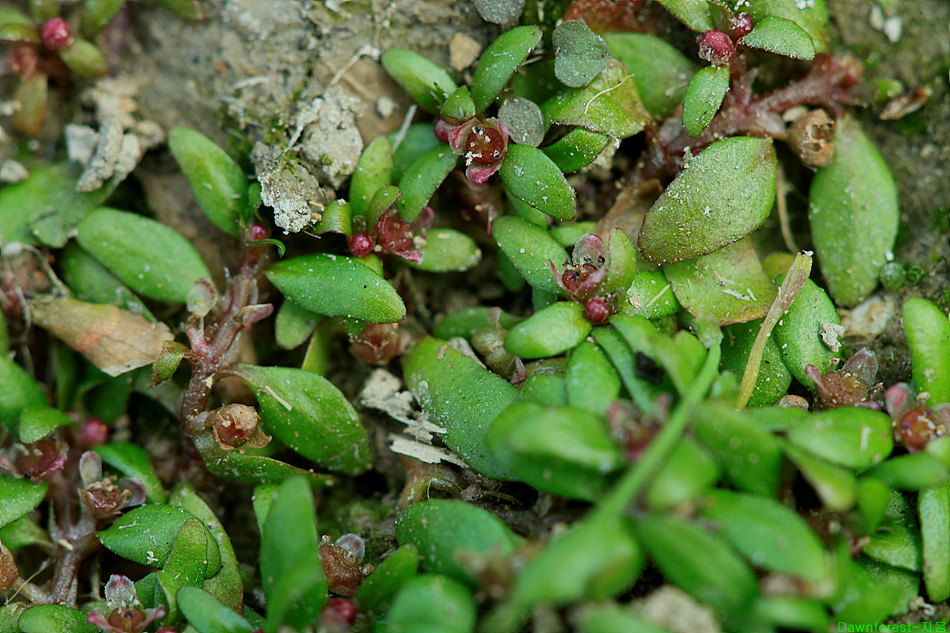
716	47
56	34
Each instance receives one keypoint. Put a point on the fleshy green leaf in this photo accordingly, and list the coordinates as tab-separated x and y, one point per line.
650	296
310	415
531	249
692	13
576	149
594	560
532	177
45	618
465	322
386	580
853	212
374	169
895	545
933	508
579	53
422	178
798	333
853	437
723	195
45	207
549	332
500	61
428	83
660	71
185	566
439	528
430	602
247	468
811	16
98	13
334	285
294	325
700	563
337	217
418	139
590	381
208	615
610	104
91	281
928	337
19	497
773	379
836	486
38	422
447	250
688	472
459	107
463	397
291	572
704	95
561	450
524	120
727	286
152	259
782	37
218	182
769	534
85	59
147	534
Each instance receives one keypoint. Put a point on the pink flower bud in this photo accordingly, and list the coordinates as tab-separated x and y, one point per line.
716	47
56	34
597	310
361	244
740	26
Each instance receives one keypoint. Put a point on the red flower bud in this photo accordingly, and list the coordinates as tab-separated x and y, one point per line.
257	231
716	47
597	310
56	34
740	26
361	244
485	145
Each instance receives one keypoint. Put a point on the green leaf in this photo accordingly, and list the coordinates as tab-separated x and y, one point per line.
289	543
294	325
590	380
147	534
227	584
459	107
692	13
621	261
152	259
45	618
700	563
836	486
524	120
609	617
727	286
798	333
773	379
853	212
561	450
310	415
933	508
550	332
579	53
545	390
46	207
38	422
336	217
704	95
650	296
530	176
333	285
749	456
465	322
811	16
531	249
428	83
443	529
422	178
218	182
610	104
723	195
895	545
928	336
208	615
388	578
594	559
689	472
97	14
374	170
793	612
132	461
911	472
681	356
447	250
430	603
188	10
91	281
19	497
84	59
500	61
185	566
502	12
660	71
782	37
408	147
852	437
766	532
22	533
576	149
247	468
462	396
